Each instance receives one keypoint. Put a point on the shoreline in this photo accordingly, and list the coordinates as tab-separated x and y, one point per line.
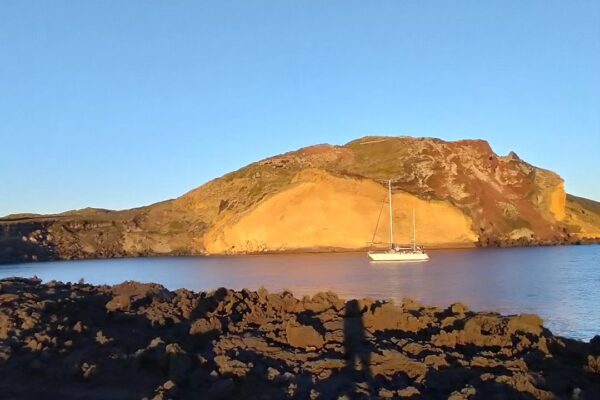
136	340
579	242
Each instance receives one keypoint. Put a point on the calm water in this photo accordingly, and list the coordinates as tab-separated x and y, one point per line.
561	284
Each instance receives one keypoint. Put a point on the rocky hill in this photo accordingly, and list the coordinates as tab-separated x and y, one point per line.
324	198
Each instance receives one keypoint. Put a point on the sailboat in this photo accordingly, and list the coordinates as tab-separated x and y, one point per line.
395	252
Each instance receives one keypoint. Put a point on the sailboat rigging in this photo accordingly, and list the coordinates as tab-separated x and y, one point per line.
395	252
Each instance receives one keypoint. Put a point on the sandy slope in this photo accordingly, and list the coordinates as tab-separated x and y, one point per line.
322	211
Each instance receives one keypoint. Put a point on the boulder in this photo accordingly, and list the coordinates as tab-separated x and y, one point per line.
139	293
206	325
228	366
323	301
119	303
303	336
6	325
526	323
8	298
272	373
458	308
101	338
409	391
390	362
593	364
389	317
386	393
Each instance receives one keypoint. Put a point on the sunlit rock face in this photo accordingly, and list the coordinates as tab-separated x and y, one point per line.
324	196
329	197
321	211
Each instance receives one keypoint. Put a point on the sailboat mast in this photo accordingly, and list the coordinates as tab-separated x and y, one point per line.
391	222
414	232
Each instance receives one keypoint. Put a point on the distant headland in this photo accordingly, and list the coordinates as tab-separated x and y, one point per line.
327	198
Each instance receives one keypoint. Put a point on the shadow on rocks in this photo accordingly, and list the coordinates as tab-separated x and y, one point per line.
357	352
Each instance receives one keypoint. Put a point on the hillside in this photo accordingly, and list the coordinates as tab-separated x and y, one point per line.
327	197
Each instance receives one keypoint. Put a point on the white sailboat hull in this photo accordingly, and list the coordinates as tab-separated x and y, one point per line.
396	253
398	256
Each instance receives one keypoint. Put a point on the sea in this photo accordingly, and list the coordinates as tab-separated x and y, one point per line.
560	284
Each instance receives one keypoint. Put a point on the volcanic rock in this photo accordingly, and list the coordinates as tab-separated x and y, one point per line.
272	345
303	336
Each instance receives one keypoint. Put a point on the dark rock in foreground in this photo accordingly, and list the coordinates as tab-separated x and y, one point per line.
134	341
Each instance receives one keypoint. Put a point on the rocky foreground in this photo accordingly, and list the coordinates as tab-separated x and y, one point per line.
133	341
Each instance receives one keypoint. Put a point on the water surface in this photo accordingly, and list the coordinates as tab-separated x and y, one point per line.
561	284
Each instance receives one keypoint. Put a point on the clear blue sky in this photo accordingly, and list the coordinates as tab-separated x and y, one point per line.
118	104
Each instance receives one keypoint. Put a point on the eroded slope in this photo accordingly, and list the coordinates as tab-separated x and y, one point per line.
328	197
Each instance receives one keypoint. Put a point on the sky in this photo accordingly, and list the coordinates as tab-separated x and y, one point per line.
117	104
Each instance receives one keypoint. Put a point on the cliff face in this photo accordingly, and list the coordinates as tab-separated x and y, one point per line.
329	197
321	211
